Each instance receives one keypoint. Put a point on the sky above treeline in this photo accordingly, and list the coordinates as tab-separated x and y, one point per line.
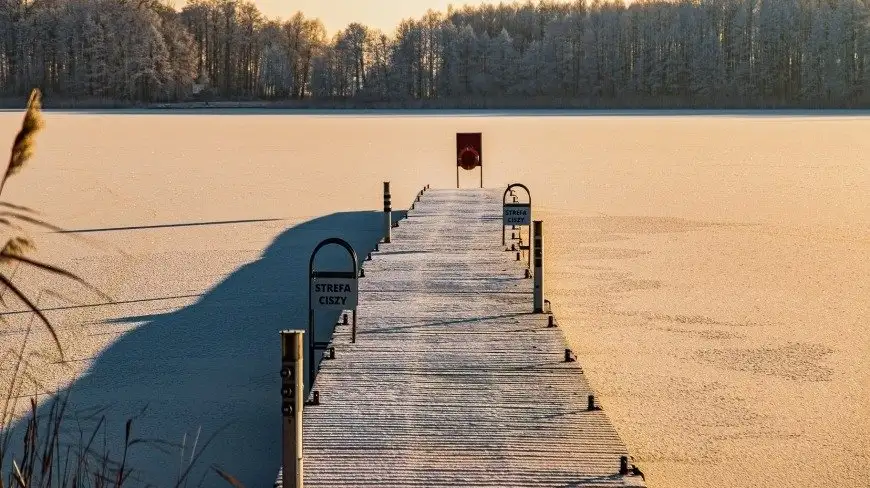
336	14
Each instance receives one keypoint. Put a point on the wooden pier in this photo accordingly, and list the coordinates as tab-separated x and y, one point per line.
452	380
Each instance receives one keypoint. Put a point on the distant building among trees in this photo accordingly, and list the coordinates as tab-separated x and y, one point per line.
687	53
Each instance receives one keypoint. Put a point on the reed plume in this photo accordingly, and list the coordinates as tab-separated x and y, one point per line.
25	141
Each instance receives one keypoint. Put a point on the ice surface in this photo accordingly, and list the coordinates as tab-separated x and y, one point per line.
712	271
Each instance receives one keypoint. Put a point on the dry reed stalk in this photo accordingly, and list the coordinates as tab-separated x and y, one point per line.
235	483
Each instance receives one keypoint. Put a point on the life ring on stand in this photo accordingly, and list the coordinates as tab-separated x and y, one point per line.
468	158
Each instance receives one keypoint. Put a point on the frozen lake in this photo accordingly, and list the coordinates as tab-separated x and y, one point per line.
711	271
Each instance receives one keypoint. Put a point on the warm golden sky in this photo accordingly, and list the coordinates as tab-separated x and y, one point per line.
336	14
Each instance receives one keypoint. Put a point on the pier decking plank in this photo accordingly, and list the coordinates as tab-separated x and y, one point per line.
452	381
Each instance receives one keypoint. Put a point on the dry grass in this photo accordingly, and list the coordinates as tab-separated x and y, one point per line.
49	455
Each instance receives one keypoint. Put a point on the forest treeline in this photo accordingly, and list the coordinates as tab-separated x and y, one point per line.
650	53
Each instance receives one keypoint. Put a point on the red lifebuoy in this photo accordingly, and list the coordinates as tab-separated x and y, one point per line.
468	158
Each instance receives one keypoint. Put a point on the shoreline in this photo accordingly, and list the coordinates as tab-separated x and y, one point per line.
448	107
259	109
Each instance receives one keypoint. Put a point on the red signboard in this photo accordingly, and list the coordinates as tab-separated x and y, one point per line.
469	150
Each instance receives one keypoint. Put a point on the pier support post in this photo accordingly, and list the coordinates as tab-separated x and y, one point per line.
537	226
353	328
292	392
388	213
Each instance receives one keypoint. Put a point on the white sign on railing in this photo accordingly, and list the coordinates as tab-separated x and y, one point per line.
334	293
517	214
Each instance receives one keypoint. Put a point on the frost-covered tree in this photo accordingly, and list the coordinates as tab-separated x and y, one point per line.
596	52
275	69
467	67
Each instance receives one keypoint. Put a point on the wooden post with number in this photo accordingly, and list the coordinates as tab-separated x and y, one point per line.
292	393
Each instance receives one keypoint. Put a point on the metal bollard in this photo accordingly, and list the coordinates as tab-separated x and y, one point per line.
551	322
332	352
518	256
538	305
344	319
623	465
353	329
590	402
568	357
388	212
